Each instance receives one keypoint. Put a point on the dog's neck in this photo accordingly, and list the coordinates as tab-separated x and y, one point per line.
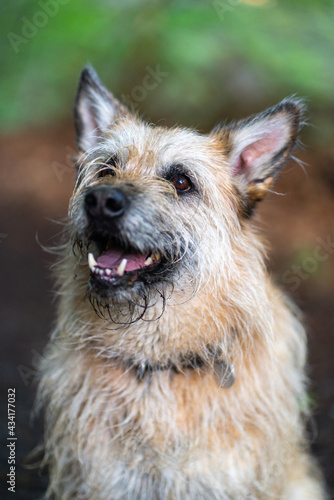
222	369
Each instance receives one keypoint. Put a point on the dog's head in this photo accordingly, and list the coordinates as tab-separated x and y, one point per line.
158	211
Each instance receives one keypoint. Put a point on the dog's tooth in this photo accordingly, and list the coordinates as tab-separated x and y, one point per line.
91	261
156	256
148	261
108	272
121	267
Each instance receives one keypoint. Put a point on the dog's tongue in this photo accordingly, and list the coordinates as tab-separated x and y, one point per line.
112	258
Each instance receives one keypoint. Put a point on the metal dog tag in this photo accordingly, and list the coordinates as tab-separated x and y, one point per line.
224	373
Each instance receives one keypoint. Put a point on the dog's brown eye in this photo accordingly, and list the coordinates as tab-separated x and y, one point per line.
107	171
181	183
108	168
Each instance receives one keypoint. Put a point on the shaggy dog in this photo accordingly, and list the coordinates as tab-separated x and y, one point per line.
176	368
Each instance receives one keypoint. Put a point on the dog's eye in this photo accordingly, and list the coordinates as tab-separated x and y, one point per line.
106	170
181	183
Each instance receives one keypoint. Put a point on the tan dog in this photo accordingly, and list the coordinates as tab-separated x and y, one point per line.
176	369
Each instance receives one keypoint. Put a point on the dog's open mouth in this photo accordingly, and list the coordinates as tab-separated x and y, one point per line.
117	265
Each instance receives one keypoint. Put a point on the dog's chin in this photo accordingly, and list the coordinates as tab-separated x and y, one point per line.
123	302
120	294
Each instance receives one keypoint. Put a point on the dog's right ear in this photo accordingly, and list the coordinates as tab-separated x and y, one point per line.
257	148
95	109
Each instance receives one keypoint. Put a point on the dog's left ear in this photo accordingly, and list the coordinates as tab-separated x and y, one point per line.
95	109
258	147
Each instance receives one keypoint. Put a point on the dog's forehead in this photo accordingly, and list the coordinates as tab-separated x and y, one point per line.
135	141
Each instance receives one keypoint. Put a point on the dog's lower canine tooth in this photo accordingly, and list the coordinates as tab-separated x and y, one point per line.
121	267
91	261
148	261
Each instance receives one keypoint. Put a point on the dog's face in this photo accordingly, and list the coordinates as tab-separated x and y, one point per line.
160	211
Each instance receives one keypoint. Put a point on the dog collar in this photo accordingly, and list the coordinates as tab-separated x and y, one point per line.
223	370
224	373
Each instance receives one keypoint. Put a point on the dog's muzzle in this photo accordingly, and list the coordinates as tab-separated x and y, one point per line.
114	259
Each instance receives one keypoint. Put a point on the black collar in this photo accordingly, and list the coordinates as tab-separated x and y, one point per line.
187	362
223	370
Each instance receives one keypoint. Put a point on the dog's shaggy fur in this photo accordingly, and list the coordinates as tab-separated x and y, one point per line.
137	407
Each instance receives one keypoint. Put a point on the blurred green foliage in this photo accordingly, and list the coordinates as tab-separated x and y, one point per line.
224	58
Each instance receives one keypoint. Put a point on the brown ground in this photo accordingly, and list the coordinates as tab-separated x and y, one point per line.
33	190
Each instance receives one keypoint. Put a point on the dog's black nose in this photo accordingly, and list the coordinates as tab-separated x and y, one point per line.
105	202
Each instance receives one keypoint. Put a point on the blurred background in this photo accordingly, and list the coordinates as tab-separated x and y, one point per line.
189	62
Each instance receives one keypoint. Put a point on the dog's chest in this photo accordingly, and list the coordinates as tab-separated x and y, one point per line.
174	433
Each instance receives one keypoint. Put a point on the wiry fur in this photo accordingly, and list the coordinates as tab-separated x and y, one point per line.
174	435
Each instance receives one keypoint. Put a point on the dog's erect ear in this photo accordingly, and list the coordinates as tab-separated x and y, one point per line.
95	109
258	147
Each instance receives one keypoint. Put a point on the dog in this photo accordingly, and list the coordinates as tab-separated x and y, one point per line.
176	367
